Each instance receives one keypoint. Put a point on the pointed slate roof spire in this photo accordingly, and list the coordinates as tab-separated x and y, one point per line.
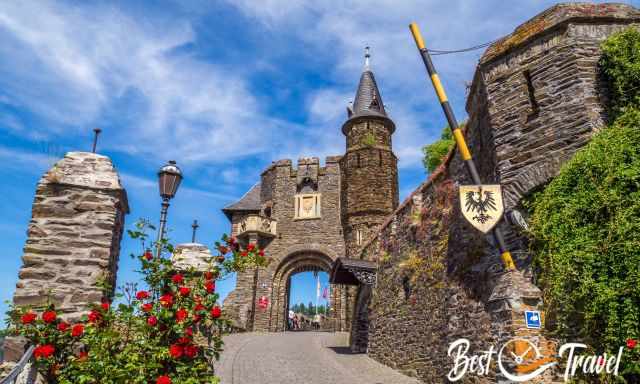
367	101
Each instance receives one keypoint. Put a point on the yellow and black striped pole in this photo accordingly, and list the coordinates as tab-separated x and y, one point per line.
458	136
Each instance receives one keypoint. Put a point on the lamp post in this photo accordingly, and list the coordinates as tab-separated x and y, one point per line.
169	178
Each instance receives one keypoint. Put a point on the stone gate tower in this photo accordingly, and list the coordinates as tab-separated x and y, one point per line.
307	216
369	167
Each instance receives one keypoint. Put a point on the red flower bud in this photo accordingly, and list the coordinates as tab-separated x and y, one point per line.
28	318
163	380
147	307
83	356
191	351
166	300
94	316
44	351
631	343
152	321
176	351
198	307
208	275
188	331
105	305
244	254
49	316
148	255
216	312
261	253
251	247
181	314
210	286
141	295
62	326
183	340
177	279
184	291
77	330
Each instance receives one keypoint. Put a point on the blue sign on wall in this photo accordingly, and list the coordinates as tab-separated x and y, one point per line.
532	318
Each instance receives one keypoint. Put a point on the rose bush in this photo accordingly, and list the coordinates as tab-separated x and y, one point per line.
168	333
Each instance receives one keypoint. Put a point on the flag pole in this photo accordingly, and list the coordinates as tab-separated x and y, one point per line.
507	260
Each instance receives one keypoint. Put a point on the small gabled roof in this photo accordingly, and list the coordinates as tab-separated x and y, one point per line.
250	202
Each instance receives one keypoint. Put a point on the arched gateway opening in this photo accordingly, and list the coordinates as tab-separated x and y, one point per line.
304	261
307	305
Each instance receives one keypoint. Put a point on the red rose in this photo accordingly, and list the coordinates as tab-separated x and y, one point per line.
62	326
29	318
83	356
105	305
244	254
198	307
216	312
141	295
210	285
184	340
184	291
94	316
166	300
178	279
190	351
152	321
251	247
44	351
147	307
49	316
223	250
261	253
77	330
188	331
176	351
631	343
163	380
181	314
148	255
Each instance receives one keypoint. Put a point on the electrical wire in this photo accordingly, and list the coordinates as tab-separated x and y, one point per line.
437	52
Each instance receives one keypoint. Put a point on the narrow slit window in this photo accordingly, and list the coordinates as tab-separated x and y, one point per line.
535	108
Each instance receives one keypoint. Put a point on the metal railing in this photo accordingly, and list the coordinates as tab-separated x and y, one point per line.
24	372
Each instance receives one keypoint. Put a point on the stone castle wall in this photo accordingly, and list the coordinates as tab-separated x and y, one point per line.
74	237
536	99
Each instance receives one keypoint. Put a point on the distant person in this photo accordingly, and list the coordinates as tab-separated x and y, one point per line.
292	316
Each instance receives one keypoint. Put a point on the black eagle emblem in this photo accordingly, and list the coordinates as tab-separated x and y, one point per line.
481	203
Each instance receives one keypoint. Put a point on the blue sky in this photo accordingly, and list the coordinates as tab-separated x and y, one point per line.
222	87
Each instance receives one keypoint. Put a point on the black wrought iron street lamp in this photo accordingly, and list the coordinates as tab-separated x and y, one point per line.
169	178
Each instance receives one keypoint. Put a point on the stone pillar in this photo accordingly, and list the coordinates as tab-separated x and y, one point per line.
73	239
193	255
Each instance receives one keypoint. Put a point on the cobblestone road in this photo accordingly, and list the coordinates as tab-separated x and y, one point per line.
299	358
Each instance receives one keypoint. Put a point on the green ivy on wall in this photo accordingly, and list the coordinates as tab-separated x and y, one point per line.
585	225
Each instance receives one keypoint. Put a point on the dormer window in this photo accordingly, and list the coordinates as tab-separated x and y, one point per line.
374	103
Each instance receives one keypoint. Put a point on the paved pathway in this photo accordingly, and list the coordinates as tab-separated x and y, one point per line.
299	358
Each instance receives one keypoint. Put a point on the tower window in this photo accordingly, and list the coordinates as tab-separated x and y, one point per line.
359	236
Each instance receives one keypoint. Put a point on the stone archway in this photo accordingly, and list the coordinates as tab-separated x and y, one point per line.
300	261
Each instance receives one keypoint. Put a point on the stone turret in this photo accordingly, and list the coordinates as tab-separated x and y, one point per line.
369	167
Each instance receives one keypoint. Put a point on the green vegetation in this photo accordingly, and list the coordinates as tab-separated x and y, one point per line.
308	310
585	225
620	65
435	152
